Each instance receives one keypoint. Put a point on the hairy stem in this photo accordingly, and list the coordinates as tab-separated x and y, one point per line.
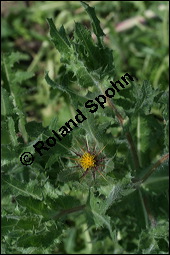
128	134
118	115
154	167
133	150
68	211
144	208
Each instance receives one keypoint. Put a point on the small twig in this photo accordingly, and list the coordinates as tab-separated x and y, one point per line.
128	134
155	166
133	149
68	211
118	115
145	212
149	213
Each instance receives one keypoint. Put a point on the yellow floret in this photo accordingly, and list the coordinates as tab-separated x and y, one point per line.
87	161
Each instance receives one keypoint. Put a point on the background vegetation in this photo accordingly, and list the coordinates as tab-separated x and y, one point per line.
45	208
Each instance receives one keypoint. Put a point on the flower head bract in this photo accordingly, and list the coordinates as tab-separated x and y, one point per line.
89	160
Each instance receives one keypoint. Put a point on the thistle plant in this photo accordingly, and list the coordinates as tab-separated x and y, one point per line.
115	199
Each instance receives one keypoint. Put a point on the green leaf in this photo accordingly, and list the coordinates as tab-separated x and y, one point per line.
158	182
28	190
64	203
21	127
51	161
54	124
68	175
12	81
144	95
85	79
5	133
84	37
62	32
95	22
9	155
34	129
54	84
33	205
119	190
149	133
42	239
61	148
21	76
8	224
63	85
138	99
44	208
59	41
6	103
96	212
90	125
12	133
149	242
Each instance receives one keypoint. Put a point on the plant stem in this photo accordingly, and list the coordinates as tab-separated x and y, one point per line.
156	165
144	208
118	115
133	150
128	134
71	210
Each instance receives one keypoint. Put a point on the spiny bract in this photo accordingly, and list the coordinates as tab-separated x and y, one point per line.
89	160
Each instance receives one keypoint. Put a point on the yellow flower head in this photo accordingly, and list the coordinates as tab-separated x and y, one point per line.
87	160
